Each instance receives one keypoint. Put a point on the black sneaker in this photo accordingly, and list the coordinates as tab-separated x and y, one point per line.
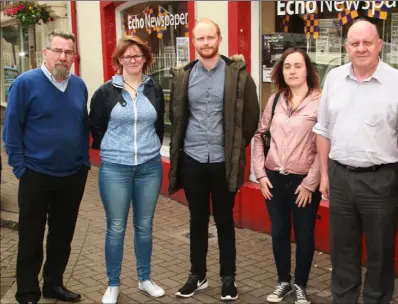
194	283
228	290
281	291
300	296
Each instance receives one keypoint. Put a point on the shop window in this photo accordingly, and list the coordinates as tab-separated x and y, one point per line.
164	26
41	32
324	42
14	56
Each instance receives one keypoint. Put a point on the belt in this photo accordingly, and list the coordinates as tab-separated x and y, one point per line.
281	171
362	169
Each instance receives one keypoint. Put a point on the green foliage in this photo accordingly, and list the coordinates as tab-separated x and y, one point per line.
28	13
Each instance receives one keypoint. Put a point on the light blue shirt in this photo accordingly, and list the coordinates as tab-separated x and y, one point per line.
59	85
131	138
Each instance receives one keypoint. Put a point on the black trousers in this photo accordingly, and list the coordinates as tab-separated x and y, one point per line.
363	202
200	182
56	199
282	209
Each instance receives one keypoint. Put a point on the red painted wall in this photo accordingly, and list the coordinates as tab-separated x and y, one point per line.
250	211
108	38
73	17
239	42
191	23
239	38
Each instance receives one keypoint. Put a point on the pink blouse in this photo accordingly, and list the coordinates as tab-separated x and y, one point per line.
293	144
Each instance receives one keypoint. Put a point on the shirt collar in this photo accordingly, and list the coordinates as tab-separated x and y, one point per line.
117	80
50	76
378	74
219	64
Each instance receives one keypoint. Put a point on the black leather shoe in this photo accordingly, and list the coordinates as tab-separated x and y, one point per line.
60	293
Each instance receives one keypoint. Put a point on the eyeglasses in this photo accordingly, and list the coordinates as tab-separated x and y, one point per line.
127	59
58	52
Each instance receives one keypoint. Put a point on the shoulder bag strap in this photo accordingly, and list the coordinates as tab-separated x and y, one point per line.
276	99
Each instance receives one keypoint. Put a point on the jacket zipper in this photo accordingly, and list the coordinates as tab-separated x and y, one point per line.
289	113
135	131
281	157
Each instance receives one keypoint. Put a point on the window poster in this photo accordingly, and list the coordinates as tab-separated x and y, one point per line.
182	50
273	47
394	39
329	44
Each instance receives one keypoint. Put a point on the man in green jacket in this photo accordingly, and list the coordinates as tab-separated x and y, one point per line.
214	112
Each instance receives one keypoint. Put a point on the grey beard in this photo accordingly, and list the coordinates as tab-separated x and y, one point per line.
61	72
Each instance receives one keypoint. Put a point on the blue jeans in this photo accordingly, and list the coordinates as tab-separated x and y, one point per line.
120	186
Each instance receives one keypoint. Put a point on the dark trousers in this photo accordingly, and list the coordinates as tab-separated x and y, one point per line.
282	209
200	181
363	202
42	197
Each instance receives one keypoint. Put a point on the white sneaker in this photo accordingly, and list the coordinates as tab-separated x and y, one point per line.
111	294
151	288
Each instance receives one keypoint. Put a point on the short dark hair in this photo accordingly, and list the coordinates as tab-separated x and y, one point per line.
123	45
60	33
313	80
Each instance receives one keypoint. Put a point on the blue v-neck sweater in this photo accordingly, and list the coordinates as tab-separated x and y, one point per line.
45	129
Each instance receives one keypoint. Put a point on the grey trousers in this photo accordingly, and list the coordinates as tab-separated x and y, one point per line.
363	202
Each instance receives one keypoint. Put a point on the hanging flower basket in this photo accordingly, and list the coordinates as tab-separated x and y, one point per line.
28	13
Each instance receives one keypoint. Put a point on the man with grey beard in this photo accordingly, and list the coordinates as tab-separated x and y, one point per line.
46	136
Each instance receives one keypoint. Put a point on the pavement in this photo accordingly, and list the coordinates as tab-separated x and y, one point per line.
256	273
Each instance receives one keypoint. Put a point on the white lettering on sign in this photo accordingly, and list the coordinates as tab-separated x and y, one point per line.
150	21
309	7
295	7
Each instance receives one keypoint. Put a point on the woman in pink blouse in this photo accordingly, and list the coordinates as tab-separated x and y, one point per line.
289	175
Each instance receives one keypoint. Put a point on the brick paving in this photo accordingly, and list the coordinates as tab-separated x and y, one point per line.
8	251
256	273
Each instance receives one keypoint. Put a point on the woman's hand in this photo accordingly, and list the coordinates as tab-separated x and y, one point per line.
304	196
266	187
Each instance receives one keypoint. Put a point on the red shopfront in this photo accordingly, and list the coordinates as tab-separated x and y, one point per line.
250	211
239	36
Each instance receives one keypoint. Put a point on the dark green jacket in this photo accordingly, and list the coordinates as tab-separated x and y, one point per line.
241	116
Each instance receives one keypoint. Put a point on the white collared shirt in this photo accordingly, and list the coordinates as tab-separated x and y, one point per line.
59	85
360	118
